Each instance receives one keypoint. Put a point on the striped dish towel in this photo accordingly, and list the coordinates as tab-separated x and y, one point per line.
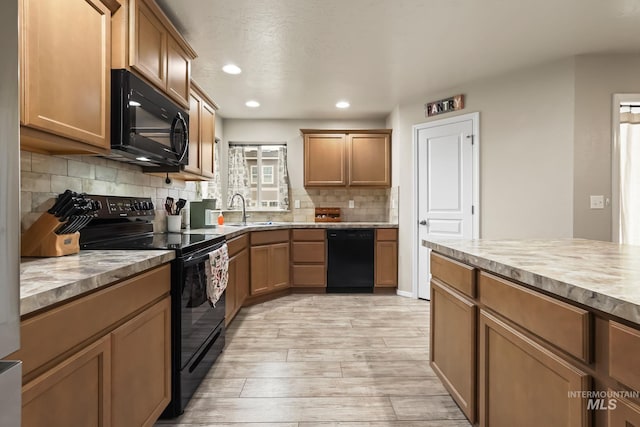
217	271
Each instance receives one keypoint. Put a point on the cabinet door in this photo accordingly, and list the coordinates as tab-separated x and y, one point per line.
230	292
194	165
65	69
453	345
369	160
279	266
141	379
148	45
242	277
77	392
523	384
324	160
259	269
178	72
386	263
207	138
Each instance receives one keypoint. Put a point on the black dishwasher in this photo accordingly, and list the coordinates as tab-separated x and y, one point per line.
350	260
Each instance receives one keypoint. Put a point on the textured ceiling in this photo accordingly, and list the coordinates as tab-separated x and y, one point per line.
299	57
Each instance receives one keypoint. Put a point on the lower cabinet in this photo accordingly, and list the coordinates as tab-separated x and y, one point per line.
100	360
309	259
77	392
524	384
238	284
269	261
453	345
386	258
141	367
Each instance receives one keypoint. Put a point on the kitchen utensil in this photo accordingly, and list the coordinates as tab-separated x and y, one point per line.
168	205
180	205
61	200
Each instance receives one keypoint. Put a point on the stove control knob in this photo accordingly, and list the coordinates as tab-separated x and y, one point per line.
144	206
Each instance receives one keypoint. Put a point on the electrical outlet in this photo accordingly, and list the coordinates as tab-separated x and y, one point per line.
597	202
352	204
296	204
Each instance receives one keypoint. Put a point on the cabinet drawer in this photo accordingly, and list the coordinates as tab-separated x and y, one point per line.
237	244
53	333
309	234
308	252
626	414
624	348
563	325
309	275
271	236
453	273
387	234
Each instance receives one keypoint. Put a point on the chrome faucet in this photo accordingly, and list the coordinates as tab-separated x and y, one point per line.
244	208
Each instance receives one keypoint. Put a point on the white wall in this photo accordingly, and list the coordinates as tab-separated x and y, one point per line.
598	77
526	155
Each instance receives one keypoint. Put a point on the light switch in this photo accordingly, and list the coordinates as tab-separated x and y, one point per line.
597	202
352	204
296	204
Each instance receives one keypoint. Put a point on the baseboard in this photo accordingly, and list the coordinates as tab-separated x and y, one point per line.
404	294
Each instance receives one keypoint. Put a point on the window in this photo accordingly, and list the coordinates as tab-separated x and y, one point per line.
259	173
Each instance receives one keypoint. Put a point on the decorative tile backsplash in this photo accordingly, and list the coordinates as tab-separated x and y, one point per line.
44	177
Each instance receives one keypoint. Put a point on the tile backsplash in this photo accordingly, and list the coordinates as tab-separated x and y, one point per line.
43	177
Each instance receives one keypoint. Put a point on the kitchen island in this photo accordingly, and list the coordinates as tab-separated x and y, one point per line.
538	332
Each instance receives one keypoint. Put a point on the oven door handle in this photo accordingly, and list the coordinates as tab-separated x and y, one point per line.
200	256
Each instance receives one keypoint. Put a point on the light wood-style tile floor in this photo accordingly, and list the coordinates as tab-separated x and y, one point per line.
325	360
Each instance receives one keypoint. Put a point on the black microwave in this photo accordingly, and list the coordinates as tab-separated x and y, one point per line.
146	127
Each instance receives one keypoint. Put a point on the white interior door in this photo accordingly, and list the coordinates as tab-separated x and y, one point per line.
445	188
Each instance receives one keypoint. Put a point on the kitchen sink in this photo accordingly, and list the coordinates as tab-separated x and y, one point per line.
239	224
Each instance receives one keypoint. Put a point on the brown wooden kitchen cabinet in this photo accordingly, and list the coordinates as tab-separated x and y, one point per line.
145	41
347	158
65	76
112	368
141	367
453	341
386	258
309	260
521	383
238	284
202	130
269	261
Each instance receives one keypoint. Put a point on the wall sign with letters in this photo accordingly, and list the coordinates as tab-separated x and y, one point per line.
442	106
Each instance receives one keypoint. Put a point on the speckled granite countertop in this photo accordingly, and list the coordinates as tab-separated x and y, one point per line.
46	281
230	231
601	275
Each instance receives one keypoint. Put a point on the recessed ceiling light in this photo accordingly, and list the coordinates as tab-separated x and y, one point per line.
252	104
231	69
343	104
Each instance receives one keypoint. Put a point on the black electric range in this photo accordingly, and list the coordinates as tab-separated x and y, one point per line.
197	327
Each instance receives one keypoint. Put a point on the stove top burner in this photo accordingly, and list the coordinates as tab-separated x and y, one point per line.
182	243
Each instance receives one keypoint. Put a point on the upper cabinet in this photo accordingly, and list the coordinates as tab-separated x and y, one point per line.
65	63
347	158
146	41
202	130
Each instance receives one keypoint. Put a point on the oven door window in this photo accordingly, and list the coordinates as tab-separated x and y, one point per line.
199	319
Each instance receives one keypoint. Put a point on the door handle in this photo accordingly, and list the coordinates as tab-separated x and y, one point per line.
424	222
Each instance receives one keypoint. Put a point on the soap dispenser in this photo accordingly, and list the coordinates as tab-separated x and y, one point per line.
220	219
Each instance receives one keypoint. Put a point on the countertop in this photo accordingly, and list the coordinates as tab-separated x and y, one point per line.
601	275
47	281
231	230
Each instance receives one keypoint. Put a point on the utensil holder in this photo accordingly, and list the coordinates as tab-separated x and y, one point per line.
40	240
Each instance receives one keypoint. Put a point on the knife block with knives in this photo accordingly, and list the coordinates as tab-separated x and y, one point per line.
56	232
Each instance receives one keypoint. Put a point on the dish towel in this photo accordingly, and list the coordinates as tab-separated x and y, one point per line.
217	271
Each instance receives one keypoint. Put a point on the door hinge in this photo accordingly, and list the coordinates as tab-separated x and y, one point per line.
471	138
473	210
